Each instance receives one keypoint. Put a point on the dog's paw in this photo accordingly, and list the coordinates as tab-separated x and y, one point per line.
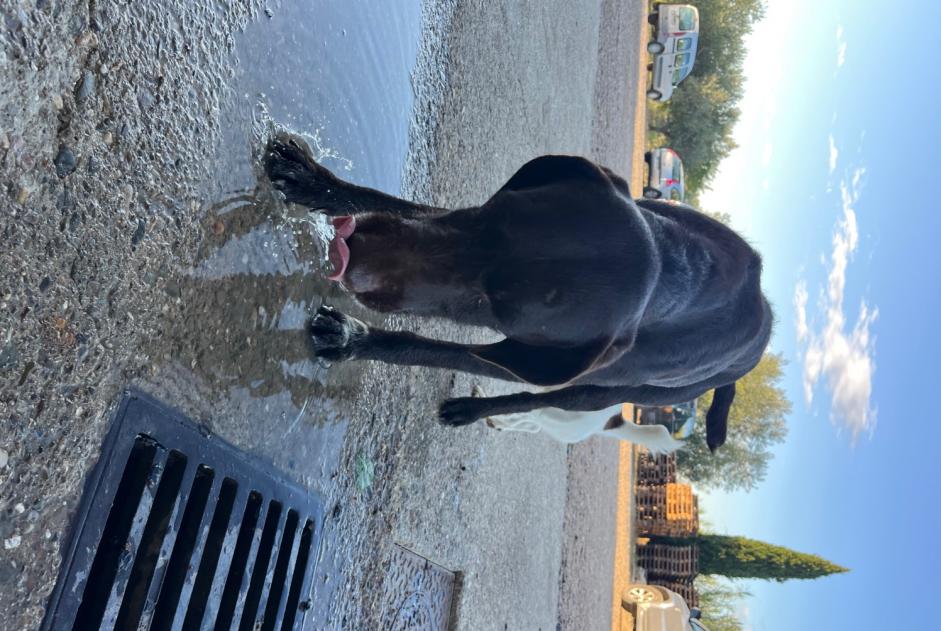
336	336
460	411
294	172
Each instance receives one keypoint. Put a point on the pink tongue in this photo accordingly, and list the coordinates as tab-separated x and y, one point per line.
344	226
339	254
339	251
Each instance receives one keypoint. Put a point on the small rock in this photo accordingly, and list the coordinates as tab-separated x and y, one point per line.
86	87
8	574
44	284
64	161
145	99
19	508
4	141
88	38
57	102
4	458
13	542
22	194
109	138
8	355
138	235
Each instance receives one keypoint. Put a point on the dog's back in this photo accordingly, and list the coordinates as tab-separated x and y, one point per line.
707	317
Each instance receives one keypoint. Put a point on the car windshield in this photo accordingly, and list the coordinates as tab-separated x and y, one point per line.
687	19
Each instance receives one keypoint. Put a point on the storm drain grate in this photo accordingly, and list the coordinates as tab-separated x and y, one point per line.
179	530
418	594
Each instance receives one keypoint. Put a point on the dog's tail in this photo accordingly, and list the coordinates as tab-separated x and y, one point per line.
656	438
718	416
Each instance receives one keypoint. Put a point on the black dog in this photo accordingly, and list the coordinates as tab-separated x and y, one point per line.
618	301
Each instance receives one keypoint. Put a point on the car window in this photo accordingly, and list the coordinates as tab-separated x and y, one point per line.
687	19
678	170
684	43
675	195
681	60
677	76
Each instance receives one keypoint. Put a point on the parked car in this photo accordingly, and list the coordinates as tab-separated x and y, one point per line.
666	178
656	608
679	419
673	48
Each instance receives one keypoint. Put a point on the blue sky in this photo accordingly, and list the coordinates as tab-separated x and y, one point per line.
839	148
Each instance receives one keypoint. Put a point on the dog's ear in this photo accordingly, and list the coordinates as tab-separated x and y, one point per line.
717	417
542	365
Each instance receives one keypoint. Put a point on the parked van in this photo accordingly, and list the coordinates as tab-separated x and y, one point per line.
674	47
665	176
656	608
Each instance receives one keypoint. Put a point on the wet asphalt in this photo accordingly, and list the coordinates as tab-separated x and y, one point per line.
140	246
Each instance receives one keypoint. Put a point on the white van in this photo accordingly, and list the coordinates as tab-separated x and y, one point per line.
674	48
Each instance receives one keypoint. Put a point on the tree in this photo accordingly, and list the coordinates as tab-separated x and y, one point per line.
756	423
740	557
699	119
718	600
723	25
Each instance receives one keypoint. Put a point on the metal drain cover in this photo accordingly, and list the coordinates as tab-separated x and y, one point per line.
178	529
418	593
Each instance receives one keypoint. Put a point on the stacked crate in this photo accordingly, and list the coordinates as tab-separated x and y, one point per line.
668	562
655	470
666	508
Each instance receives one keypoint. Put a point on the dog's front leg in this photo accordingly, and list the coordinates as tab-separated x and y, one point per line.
338	337
293	171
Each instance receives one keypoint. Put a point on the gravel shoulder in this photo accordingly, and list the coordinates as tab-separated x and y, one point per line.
106	215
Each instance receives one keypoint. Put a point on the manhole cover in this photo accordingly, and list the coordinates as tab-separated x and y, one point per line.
418	593
178	529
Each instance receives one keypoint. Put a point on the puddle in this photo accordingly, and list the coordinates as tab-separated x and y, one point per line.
233	341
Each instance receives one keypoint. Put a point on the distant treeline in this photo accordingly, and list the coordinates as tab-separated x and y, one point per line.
698	120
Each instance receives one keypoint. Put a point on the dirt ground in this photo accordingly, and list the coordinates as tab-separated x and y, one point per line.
126	259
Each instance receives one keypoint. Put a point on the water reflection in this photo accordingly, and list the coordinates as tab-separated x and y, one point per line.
232	347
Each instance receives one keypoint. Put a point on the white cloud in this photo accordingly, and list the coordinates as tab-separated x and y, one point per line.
834	154
841	47
845	359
